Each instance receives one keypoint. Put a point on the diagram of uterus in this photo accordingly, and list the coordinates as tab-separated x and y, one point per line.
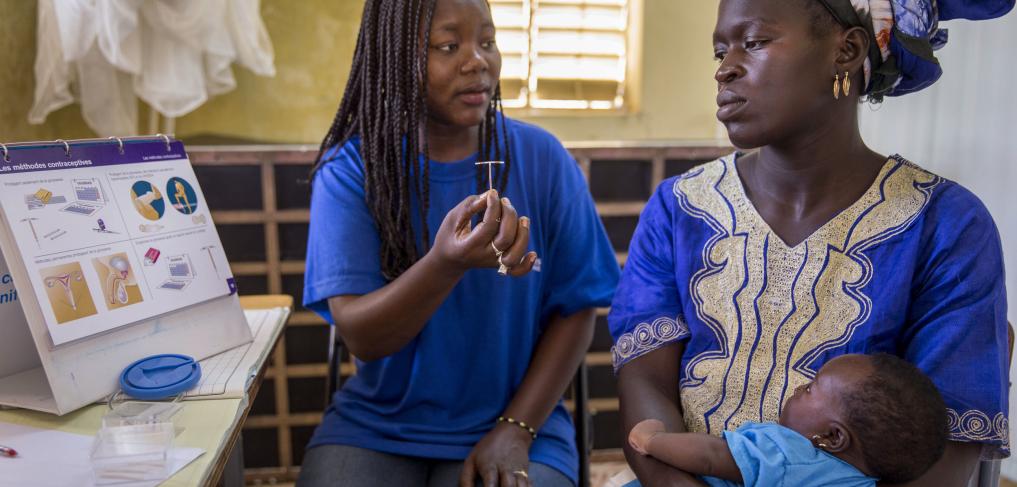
65	281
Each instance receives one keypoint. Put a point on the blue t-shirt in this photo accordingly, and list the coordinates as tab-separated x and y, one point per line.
770	455
440	394
913	268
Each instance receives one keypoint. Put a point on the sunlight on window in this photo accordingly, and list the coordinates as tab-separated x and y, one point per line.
563	54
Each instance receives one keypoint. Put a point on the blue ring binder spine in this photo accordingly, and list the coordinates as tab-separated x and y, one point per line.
68	145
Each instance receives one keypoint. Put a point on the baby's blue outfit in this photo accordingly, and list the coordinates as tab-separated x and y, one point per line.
770	455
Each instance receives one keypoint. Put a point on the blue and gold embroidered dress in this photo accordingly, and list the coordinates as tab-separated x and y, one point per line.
913	268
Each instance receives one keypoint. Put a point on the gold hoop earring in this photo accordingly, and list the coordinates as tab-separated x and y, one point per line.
836	86
847	83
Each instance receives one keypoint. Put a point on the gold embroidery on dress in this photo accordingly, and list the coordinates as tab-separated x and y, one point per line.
976	425
646	337
772	308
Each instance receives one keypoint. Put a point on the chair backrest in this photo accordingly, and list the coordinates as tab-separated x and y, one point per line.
1009	339
335	354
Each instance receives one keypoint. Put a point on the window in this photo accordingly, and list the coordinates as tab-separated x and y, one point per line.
562	54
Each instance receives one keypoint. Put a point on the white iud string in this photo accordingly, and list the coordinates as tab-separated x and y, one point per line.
490	172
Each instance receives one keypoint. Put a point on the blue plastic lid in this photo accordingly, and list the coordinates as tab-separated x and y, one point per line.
160	376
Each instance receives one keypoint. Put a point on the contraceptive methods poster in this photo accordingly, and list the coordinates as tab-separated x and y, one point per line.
111	235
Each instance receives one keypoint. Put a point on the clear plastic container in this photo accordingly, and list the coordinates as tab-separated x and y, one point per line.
139	412
132	453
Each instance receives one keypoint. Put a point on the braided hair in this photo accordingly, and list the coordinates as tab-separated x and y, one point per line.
385	104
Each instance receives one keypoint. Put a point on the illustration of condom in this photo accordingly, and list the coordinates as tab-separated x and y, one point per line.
119	269
149	203
65	281
147	198
181	194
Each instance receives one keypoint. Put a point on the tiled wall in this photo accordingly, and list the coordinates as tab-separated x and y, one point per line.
259	198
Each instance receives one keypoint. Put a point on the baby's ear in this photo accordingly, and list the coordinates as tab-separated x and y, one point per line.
838	438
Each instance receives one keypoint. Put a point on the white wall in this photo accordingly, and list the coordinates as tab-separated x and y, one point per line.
965	128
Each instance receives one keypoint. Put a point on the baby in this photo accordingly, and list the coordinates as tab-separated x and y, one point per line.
864	418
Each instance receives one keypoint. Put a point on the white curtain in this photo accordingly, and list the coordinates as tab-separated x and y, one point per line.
965	128
173	54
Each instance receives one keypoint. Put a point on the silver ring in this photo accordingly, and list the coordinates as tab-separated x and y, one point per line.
119	141
7	157
502	268
165	138
522	473
67	147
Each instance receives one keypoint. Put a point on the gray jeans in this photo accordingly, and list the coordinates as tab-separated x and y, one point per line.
348	466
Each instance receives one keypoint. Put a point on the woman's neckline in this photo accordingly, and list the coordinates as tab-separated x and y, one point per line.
741	193
452	170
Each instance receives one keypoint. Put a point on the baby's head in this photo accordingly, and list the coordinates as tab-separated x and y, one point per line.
877	412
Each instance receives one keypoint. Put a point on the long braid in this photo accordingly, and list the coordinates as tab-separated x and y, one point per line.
407	156
419	115
389	89
385	104
374	189
503	183
492	120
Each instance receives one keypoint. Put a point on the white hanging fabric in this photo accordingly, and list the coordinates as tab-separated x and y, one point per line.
52	71
254	48
173	54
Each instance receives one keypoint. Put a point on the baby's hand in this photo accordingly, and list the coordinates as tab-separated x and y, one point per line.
639	437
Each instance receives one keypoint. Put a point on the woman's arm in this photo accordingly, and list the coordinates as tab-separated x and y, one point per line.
561	348
954	469
382	322
648	389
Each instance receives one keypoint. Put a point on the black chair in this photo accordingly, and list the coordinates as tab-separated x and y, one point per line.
580	396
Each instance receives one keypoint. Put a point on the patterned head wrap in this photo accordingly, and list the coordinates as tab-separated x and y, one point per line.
906	32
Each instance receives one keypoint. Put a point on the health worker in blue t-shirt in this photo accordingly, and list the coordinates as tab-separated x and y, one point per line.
469	307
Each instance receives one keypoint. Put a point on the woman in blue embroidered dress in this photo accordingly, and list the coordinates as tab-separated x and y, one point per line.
748	273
